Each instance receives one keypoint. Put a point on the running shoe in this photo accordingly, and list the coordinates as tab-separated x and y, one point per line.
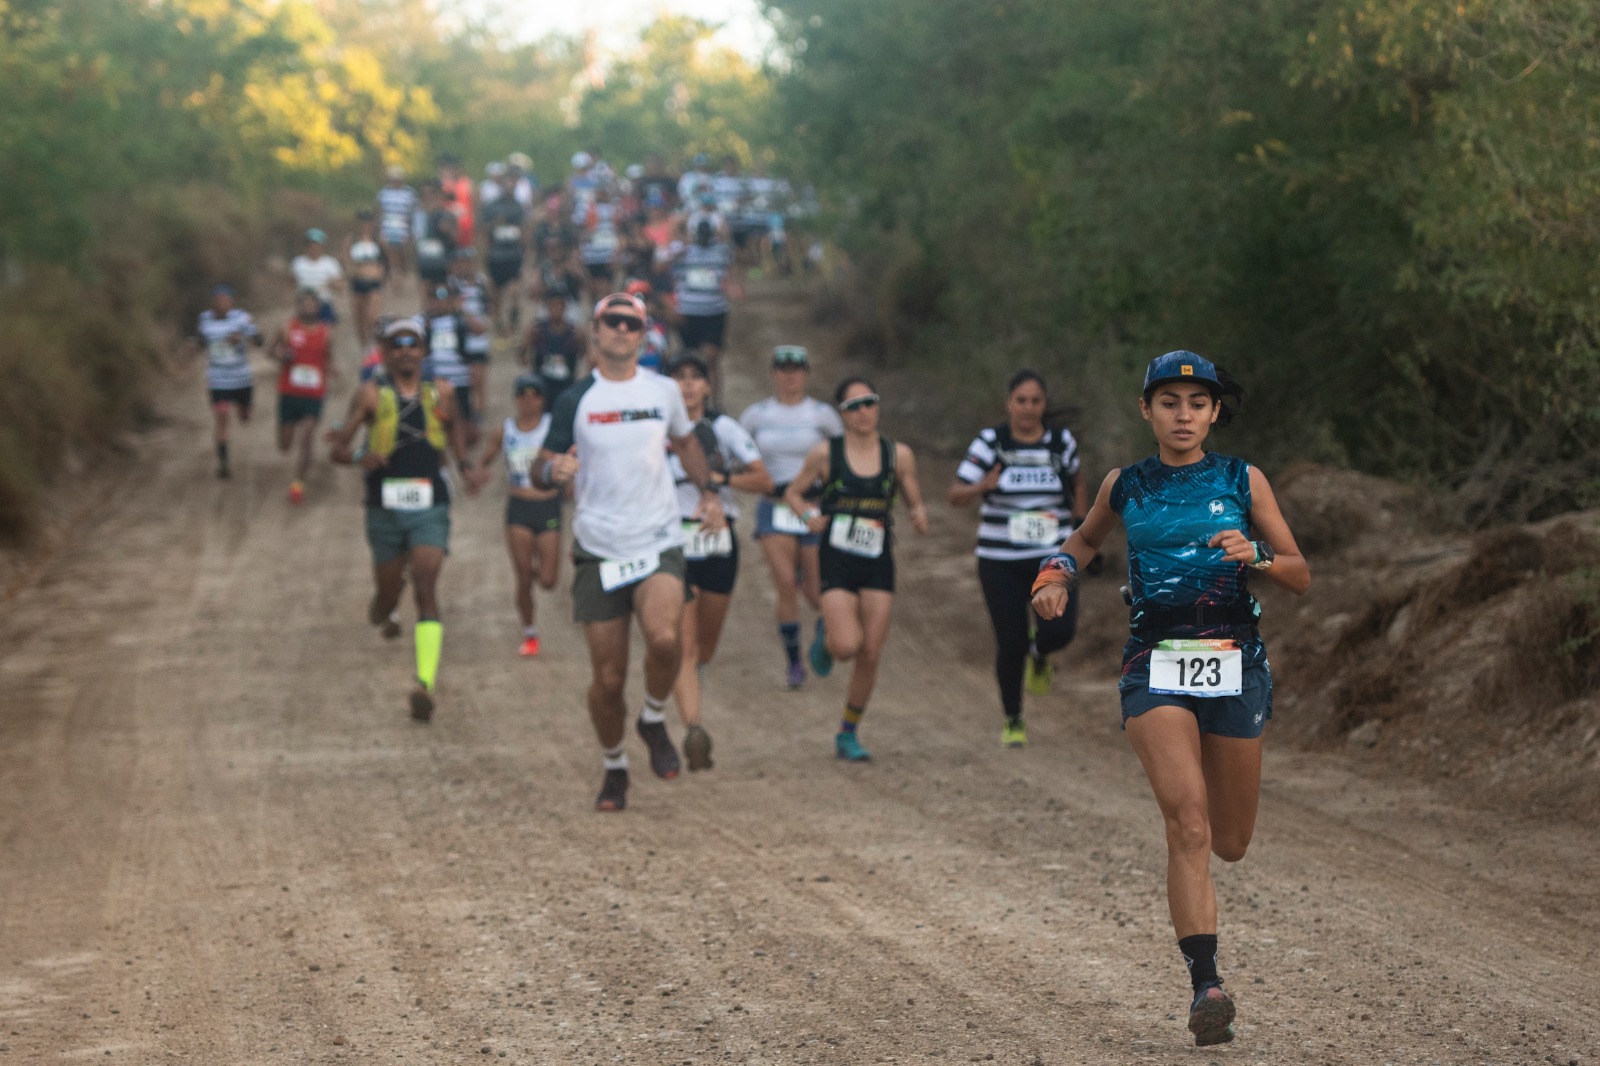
1211	1015
391	627
297	492
821	660
421	703
613	791
1013	734
846	746
530	647
797	674
1038	674
697	748
663	756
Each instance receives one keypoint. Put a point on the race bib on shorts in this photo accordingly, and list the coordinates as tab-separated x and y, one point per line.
1197	668
1033	527
698	544
407	493
786	521
857	536
702	279
305	376
619	573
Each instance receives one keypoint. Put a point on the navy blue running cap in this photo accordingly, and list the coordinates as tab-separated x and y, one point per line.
1181	366
525	382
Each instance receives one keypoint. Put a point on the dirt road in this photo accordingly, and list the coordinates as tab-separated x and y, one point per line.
223	841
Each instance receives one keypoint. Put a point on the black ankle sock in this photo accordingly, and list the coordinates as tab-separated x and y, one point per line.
1200	955
222	452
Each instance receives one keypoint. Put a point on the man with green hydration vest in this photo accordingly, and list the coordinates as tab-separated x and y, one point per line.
410	424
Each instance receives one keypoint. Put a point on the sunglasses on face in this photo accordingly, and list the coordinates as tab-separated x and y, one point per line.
622	323
405	340
859	403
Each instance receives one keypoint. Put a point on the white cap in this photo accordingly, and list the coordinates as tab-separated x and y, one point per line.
407	324
621	301
581	160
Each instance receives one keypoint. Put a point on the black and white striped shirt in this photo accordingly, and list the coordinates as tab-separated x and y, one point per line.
1029	512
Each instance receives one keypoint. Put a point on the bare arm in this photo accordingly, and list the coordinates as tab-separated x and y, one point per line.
456	431
753	478
1051	594
905	472
963	493
698	471
363	402
1289	568
815	466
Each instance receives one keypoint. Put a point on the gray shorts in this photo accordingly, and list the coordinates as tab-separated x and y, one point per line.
592	603
393	533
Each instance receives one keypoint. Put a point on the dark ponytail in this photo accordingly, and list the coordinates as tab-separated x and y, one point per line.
1230	397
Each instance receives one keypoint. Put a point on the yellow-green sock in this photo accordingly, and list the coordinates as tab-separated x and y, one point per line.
430	640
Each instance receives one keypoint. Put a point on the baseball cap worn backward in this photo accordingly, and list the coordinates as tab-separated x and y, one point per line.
1181	366
620	301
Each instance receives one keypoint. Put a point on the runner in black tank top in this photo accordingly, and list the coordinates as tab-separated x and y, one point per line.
863	472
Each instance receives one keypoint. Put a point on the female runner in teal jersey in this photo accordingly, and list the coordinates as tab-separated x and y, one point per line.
1196	687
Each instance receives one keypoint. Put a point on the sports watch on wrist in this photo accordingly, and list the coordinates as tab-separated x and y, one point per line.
1264	555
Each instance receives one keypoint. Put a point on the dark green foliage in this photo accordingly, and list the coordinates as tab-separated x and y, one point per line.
1383	216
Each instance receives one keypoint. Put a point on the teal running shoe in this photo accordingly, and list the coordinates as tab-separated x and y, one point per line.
821	660
848	748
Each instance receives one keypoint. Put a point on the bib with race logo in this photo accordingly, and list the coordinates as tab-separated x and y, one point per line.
604	240
699	544
445	340
430	248
223	352
702	279
857	536
1197	668
508	234
407	493
785	520
305	376
1036	528
555	367
619	573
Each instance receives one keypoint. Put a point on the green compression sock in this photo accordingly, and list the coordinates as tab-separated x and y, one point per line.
430	640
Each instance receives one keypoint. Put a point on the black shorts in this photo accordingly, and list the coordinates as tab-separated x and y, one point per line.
703	329
362	286
504	271
715	573
464	404
541	516
852	573
239	397
600	271
292	409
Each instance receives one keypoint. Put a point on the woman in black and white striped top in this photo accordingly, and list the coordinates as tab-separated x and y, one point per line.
1027	475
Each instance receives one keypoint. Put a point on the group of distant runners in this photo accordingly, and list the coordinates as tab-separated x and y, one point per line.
612	424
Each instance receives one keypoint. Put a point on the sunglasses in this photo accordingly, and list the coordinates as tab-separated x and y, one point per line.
623	323
789	356
860	402
405	340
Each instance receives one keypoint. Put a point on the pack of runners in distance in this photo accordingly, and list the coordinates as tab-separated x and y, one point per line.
649	465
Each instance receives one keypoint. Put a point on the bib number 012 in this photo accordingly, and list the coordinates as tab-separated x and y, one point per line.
1197	668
